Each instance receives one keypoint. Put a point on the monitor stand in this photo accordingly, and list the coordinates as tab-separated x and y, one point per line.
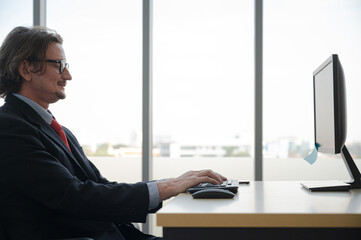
352	169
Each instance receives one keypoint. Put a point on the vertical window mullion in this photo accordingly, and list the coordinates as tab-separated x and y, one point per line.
39	8
258	89
147	158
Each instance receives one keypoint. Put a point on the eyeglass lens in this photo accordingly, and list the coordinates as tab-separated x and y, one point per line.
63	65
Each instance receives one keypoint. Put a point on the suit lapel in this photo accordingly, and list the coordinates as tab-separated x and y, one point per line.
82	160
37	121
47	130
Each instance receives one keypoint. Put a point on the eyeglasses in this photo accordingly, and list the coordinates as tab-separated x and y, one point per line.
62	64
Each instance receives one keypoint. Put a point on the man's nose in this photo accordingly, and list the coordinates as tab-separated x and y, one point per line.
66	75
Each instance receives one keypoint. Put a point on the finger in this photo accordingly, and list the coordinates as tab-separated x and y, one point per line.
223	177
213	175
206	179
218	176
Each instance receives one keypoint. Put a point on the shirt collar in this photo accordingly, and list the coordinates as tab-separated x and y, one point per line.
44	114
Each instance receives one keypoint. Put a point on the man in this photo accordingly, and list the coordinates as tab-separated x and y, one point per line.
48	188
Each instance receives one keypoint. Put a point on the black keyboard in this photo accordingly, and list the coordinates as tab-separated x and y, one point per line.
230	185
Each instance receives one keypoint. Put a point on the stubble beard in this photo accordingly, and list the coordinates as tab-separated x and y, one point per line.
61	95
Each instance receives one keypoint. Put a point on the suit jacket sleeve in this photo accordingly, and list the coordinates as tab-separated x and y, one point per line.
27	166
100	178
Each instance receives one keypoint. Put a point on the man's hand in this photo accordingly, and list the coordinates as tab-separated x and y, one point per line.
172	187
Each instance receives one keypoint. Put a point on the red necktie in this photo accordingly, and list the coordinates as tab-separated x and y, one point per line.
59	130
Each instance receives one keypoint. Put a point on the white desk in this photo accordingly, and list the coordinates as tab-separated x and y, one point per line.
262	209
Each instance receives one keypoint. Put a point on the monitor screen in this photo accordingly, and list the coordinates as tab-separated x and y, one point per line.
325	130
330	106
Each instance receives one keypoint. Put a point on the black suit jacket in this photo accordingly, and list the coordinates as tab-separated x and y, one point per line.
48	192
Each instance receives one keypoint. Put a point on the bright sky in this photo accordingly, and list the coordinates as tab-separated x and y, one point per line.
203	65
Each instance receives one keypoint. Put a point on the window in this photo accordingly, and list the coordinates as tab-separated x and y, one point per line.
103	45
298	37
203	87
12	14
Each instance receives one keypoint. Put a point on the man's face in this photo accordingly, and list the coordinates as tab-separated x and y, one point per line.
49	87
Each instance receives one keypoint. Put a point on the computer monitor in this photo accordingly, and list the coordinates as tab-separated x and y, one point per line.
329	106
330	122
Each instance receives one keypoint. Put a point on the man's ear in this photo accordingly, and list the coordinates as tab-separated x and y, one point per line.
24	70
